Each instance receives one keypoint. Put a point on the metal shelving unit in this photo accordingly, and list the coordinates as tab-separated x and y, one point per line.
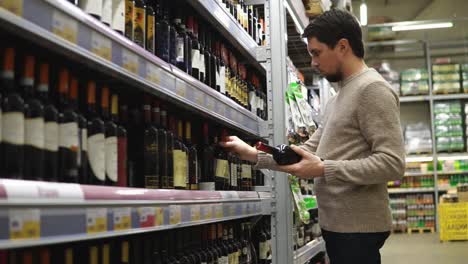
410	190
308	251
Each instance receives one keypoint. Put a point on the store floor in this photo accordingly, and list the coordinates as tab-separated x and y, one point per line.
423	249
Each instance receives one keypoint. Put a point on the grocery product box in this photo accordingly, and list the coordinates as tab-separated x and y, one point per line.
414	88
446	87
453	219
412	75
463	197
445	68
450	76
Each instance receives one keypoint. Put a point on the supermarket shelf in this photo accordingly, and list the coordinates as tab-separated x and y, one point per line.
452	156
419	158
445	188
415	98
218	16
63	27
297	11
412	174
450	96
308	251
451	172
410	190
267	202
40	213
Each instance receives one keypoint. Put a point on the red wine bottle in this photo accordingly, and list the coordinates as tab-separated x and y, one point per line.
282	154
110	141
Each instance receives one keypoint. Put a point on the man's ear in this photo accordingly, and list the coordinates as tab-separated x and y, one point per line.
343	45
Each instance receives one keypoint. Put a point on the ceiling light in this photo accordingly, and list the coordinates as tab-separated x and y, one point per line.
363	14
422	26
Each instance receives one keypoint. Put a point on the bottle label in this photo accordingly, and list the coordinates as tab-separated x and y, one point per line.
234	174
68	136
180	48
180	168
13	128
51	136
223	260
106	11
129	6
201	62
207	186
246	171
118	15
263	248
253	101
34	132
222	168
222	78
139	26
92	7
150	33
122	161
84	139
195	59
111	158
96	154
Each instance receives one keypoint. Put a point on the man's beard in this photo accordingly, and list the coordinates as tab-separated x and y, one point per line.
337	77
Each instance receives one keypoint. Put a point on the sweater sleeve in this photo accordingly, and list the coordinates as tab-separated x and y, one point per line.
378	116
265	161
312	144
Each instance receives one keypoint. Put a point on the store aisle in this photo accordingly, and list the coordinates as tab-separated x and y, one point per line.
423	249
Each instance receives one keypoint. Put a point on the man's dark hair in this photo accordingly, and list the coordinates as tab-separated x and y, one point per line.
334	25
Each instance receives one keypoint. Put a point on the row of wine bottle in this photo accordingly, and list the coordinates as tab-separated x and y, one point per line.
46	134
233	242
173	32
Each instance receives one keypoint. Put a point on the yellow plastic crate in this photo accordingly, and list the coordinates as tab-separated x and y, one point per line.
453	219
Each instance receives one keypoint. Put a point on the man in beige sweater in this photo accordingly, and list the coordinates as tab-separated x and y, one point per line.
360	143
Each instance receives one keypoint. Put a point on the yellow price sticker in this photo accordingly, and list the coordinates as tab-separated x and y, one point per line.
122	218
146	216
14	6
64	26
152	74
25	223
159	216
195	212
206	212
96	220
101	46
175	214
129	61
219	211
210	103
181	90
198	97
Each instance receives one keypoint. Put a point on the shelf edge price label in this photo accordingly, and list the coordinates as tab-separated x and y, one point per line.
122	218
232	209
64	26
159	216
96	220
175	214
244	209
147	216
14	6
101	46
219	211
222	109
130	61
210	103
25	223
195	212
152	74
181	89
198	96
206	212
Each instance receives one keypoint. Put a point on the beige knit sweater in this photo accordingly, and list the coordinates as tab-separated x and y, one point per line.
361	142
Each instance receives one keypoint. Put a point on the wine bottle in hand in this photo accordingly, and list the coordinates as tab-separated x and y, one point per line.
282	154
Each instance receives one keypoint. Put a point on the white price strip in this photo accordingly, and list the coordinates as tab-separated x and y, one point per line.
175	214
206	212
25	223
64	26
122	218
42	191
230	195
146	216
219	211
195	212
181	89
101	46
159	221
152	74
129	61
14	6
96	220
210	104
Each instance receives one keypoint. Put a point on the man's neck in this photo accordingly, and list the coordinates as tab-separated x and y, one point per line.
352	67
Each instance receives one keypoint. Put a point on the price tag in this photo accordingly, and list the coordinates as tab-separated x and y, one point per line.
64	26
195	212
101	46
42	191
159	213
206	212
219	211
122	218
198	97
146	216
14	6
243	209
129	61
181	89
210	103
175	214
152	74
231	209
96	220
222	109
25	223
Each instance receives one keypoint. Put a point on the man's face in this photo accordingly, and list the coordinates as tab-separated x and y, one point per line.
325	59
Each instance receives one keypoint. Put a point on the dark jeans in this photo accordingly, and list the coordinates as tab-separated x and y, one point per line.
354	248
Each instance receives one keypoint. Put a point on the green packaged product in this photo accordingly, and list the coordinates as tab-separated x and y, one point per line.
446	87
412	75
446	68
464	67
300	204
452	76
414	88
